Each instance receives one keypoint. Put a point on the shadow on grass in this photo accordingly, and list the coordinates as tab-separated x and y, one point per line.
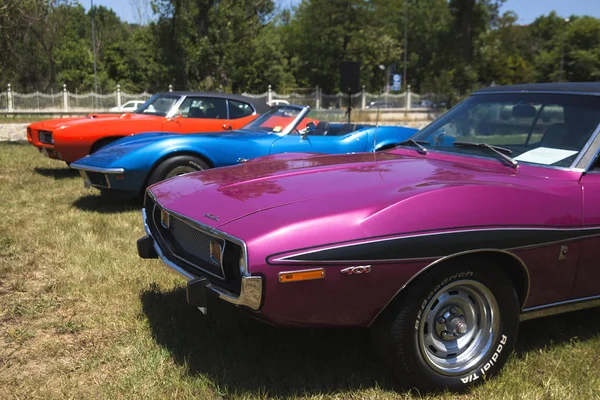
106	204
57	173
560	329
241	355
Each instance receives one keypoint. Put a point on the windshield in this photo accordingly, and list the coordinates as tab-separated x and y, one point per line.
278	120
159	104
544	129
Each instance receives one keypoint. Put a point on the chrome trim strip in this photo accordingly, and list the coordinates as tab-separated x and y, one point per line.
593	157
440	260
285	258
251	286
208	229
584	151
97	169
175	107
560	307
296	120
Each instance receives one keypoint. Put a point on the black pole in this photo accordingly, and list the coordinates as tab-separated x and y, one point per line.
349	106
405	41
94	51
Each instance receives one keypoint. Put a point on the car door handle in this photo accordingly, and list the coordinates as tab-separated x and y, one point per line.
227	127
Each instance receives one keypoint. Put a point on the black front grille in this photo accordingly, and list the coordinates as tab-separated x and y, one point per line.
188	246
97	179
45	137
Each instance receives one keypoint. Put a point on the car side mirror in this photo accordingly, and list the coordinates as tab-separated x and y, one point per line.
310	127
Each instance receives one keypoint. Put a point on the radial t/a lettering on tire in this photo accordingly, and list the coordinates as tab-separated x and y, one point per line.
454	327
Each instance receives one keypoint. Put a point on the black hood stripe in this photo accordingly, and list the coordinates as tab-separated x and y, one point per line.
435	245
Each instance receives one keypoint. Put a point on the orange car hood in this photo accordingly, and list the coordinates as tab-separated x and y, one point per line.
52	124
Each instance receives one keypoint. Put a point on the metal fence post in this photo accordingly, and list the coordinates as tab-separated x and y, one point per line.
363	98
269	95
408	97
65	97
170	88
317	98
119	96
9	98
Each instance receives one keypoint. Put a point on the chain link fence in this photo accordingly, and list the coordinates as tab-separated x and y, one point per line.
125	97
37	101
95	102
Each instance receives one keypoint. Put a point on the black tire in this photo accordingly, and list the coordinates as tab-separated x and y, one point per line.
172	166
417	347
101	143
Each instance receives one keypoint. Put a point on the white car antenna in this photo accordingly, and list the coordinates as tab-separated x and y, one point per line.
377	121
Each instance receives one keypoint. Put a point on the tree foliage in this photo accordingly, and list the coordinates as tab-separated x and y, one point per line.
451	46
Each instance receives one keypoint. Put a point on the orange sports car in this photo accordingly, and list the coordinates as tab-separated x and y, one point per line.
70	139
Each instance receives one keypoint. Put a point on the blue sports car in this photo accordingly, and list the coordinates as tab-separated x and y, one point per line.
128	165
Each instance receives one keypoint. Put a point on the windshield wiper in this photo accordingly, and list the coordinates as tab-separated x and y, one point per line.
416	143
502	152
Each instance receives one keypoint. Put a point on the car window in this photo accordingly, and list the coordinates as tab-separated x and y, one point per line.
201	107
159	104
239	109
547	129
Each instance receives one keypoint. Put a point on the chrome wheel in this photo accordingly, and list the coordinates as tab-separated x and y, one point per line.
458	327
180	170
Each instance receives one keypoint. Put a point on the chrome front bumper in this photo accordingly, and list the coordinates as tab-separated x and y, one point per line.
88	182
251	286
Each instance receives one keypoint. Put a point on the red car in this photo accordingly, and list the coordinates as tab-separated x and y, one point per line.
70	139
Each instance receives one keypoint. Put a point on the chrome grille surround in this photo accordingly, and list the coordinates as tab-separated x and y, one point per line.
194	241
250	294
186	232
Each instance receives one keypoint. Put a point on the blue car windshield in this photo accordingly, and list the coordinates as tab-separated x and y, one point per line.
159	105
276	120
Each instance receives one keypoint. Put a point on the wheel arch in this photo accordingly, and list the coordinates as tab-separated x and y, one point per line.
105	139
510	263
183	152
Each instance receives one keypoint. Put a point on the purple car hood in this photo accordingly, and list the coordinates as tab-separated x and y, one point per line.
372	180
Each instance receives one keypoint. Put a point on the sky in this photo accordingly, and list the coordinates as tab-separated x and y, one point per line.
527	10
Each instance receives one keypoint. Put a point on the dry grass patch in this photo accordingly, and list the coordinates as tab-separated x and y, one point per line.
81	316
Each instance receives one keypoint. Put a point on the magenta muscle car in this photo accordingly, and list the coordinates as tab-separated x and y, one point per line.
488	216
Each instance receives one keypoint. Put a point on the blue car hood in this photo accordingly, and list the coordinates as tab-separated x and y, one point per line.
121	148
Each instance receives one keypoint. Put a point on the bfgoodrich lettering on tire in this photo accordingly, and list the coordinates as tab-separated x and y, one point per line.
453	328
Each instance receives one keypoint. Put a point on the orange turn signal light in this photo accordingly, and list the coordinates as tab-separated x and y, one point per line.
301	275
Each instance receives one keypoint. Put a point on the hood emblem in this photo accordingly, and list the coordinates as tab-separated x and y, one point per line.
212	216
361	269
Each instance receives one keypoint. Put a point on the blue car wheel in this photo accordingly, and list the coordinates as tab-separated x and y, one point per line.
177	165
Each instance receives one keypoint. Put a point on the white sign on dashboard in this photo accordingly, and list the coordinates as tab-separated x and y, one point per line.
545	155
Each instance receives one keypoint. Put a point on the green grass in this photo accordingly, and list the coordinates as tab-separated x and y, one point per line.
81	316
18	119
